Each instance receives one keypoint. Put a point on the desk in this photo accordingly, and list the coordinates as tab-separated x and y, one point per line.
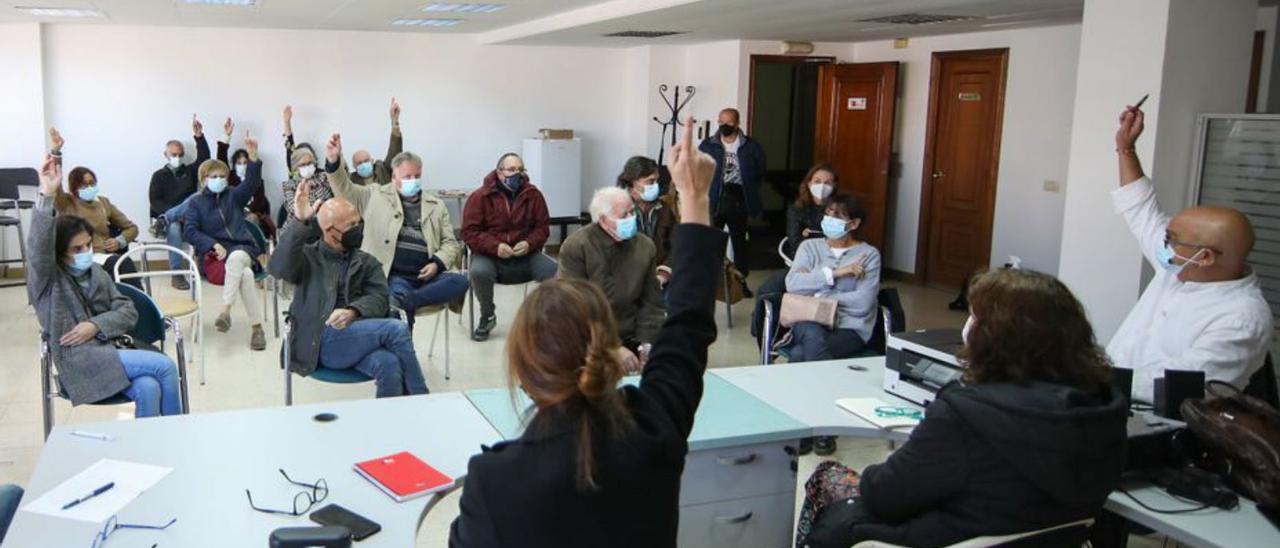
1242	528
216	456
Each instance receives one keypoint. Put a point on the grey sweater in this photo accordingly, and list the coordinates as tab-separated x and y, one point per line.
810	275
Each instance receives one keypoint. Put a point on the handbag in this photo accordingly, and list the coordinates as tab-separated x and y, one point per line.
1240	438
215	270
736	283
803	308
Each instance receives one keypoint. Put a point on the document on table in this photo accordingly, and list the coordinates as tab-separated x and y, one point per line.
865	409
130	478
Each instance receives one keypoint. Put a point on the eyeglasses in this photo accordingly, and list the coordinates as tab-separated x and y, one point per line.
886	412
1169	240
302	502
113	524
512	169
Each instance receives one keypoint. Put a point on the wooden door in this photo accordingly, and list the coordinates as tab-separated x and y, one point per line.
854	134
962	157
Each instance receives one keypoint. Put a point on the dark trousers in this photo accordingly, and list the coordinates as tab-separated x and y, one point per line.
486	271
410	293
812	341
732	211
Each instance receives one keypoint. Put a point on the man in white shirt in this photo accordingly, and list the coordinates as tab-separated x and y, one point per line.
1204	310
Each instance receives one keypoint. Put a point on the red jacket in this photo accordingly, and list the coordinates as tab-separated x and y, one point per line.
489	219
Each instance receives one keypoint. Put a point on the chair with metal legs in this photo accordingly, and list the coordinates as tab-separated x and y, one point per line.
322	374
10	199
175	308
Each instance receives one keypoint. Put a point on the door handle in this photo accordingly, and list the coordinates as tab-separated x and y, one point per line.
937	174
735	461
725	520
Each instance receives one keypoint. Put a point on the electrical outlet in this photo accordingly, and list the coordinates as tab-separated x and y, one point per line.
1051	185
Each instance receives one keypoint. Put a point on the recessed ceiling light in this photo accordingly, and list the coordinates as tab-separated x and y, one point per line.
59	12
462	8
426	22
223	2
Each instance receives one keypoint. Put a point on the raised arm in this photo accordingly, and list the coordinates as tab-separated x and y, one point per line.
41	263
224	144
287	262
395	146
288	139
242	194
340	180
1135	200
202	146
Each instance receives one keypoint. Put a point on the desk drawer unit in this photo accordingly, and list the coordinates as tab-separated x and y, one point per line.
756	522
737	496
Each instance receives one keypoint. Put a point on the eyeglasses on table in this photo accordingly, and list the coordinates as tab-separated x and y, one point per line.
303	502
113	524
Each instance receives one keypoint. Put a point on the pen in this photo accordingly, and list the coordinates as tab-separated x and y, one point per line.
92	435
1140	101
95	493
857	368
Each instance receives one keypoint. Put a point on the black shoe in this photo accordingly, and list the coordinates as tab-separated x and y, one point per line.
824	446
485	327
806	446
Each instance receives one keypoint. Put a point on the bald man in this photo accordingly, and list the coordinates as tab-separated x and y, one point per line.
1204	310
340	306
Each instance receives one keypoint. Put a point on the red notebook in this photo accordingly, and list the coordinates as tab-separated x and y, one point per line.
403	476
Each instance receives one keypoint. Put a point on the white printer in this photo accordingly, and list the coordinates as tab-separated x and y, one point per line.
919	363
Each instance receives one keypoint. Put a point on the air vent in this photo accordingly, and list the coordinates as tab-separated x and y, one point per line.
918	19
645	33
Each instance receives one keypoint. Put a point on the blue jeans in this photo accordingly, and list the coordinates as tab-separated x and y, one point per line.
174	217
10	496
811	341
411	293
379	348
153	383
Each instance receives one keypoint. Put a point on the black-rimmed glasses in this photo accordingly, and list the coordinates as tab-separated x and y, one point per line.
302	502
114	524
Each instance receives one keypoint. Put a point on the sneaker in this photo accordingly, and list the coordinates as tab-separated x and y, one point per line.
223	323
824	446
485	327
258	340
180	283
159	227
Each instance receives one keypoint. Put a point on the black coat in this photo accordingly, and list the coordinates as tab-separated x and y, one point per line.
170	187
523	492
990	459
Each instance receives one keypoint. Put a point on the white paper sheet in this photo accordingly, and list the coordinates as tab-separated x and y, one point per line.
130	478
865	409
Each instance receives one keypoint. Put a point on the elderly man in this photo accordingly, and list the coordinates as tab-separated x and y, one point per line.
506	223
409	232
735	191
170	187
1204	309
340	305
610	254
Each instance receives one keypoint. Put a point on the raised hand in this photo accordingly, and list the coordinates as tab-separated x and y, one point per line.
288	119
55	139
1131	126
228	128
395	112
691	172
333	148
250	145
302	202
197	128
50	176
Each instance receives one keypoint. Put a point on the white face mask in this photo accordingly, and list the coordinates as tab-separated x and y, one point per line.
175	161
242	170
307	171
820	191
968	326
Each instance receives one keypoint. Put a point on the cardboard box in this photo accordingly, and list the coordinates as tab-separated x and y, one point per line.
556	133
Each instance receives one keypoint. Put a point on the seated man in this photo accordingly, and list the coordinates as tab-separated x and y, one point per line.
340	303
409	234
505	223
609	253
1204	309
170	188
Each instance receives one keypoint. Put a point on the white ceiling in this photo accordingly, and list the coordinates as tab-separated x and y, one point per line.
583	22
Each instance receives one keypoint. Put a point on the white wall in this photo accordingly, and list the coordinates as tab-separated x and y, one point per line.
118	93
21	96
1039	94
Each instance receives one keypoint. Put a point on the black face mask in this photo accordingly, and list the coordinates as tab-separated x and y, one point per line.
513	182
727	130
353	237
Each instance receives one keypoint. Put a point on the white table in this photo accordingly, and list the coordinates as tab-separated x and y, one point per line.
216	456
1243	527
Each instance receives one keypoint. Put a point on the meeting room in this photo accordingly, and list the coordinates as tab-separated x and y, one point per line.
639	273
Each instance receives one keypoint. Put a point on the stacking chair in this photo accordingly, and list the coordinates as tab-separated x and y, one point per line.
471	300
322	374
263	276
10	180
173	308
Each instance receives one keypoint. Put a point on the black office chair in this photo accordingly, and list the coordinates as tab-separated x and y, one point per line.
1262	384
891	318
10	200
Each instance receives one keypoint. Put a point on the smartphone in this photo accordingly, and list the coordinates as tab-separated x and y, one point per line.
360	526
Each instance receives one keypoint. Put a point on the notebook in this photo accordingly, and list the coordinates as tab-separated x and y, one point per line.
865	409
403	476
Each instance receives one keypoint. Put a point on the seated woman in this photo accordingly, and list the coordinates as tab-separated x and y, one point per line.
655	213
304	168
259	209
215	226
594	457
81	312
836	267
110	230
1032	438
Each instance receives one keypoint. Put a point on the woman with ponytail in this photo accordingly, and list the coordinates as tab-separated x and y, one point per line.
599	464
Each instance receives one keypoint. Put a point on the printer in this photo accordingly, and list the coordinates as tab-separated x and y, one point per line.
919	363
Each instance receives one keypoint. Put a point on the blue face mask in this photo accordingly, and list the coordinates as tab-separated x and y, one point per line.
626	227
514	182
80	262
1165	258
410	187
365	169
88	193
650	192
216	184
834	228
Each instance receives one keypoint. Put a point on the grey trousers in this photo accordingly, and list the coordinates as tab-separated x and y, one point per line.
487	270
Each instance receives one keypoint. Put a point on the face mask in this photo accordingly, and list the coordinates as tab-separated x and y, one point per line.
820	191
1165	257
365	169
968	326
650	192
307	171
727	130
513	182
175	161
241	170
834	228
626	227
410	187
88	193
353	238
216	184
80	262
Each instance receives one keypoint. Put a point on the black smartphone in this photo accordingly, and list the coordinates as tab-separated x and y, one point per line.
360	526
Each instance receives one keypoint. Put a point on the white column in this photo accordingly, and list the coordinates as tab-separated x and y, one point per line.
1192	57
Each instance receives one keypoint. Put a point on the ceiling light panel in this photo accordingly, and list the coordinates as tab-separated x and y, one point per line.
439	23
451	7
59	12
222	2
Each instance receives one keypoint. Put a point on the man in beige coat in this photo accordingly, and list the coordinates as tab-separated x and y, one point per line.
407	230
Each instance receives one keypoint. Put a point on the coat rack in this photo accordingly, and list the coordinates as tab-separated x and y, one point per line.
676	105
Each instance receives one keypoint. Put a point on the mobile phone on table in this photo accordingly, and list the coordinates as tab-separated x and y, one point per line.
360	526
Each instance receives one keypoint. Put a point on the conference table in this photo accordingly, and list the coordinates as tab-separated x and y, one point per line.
739	485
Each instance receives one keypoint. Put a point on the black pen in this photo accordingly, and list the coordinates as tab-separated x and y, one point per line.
95	493
1140	101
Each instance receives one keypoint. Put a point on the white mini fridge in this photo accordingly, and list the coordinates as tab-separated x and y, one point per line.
555	166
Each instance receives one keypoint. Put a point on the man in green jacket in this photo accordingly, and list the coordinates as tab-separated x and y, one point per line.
340	305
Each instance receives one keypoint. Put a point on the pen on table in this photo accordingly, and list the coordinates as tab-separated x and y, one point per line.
91	435
95	493
857	368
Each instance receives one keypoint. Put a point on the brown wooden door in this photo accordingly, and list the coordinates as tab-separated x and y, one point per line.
962	156
855	135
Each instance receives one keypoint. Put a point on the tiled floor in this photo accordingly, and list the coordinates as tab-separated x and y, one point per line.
239	378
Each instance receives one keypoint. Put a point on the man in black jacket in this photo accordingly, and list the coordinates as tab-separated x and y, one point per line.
341	302
170	187
735	190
